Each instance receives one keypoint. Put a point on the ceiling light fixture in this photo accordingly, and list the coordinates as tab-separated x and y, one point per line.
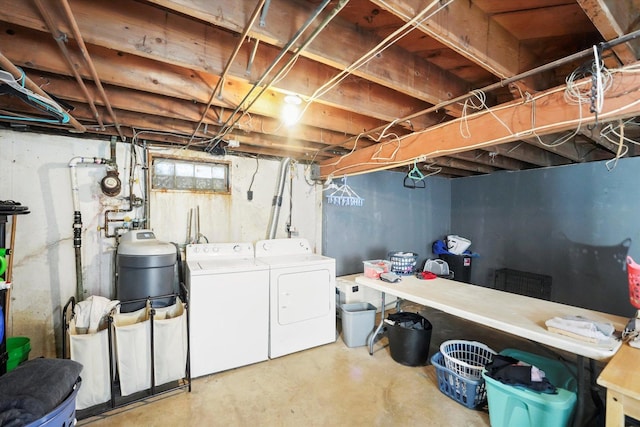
291	110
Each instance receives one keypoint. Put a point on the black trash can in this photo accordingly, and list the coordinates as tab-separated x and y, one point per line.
409	338
460	265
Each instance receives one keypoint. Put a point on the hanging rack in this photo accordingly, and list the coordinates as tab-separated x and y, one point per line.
343	195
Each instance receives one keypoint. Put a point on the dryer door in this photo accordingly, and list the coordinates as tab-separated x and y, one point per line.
302	295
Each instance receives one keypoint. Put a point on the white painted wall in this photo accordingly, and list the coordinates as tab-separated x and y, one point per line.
34	171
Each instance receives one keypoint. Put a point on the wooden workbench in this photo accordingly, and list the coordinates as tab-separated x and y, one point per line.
621	377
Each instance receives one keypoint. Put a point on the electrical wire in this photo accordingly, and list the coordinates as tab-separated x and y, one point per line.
254	173
374	52
579	86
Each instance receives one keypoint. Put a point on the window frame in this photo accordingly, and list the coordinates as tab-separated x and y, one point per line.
194	162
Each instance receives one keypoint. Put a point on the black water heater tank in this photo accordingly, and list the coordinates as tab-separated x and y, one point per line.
145	268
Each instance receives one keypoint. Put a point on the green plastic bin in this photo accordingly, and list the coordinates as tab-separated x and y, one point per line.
18	349
516	406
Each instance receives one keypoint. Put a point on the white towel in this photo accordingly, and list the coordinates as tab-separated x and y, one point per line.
91	312
582	326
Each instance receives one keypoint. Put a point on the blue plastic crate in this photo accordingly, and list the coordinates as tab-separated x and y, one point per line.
466	391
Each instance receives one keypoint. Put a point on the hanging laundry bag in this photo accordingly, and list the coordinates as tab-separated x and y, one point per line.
170	348
133	350
92	351
89	346
133	346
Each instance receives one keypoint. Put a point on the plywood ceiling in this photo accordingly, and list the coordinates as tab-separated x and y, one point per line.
457	87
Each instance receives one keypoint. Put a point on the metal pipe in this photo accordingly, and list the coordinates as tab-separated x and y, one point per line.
92	69
277	198
77	217
60	39
247	27
29	84
225	129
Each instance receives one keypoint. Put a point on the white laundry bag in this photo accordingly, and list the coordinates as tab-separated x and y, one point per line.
170	343
133	347
89	346
133	350
92	351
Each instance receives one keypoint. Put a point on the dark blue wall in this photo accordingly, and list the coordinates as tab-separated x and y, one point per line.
393	218
575	223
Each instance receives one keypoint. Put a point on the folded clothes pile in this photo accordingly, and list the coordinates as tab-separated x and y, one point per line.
581	328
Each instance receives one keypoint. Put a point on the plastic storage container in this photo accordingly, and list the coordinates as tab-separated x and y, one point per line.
358	321
409	338
146	268
460	265
467	392
516	406
374	268
18	349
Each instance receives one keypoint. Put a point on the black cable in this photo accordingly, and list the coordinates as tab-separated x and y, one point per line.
249	192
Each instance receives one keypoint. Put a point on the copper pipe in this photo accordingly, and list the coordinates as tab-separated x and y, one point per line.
60	39
29	84
247	27
92	69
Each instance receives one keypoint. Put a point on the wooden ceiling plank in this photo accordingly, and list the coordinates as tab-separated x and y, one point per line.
614	19
527	153
338	46
466	29
489	159
30	49
145	102
553	115
456	163
146	31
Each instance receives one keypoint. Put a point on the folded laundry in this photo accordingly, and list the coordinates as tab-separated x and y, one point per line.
579	326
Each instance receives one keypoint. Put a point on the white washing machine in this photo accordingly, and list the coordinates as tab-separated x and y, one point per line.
228	307
302	291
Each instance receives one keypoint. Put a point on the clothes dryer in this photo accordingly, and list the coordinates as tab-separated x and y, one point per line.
228	307
302	294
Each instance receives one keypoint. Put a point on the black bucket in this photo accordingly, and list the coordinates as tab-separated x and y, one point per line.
409	338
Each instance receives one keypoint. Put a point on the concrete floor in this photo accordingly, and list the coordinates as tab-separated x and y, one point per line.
330	385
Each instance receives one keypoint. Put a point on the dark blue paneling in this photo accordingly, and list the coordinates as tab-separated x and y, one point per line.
393	218
575	223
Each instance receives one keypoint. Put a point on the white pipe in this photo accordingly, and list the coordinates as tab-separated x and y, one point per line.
74	178
277	198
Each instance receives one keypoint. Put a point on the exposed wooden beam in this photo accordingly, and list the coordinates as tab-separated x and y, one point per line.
489	159
146	31
524	152
31	49
615	18
502	124
466	29
339	45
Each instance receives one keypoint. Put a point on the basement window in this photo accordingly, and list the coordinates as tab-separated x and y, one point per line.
189	175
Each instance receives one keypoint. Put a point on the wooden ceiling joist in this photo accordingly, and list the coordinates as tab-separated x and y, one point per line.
553	114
